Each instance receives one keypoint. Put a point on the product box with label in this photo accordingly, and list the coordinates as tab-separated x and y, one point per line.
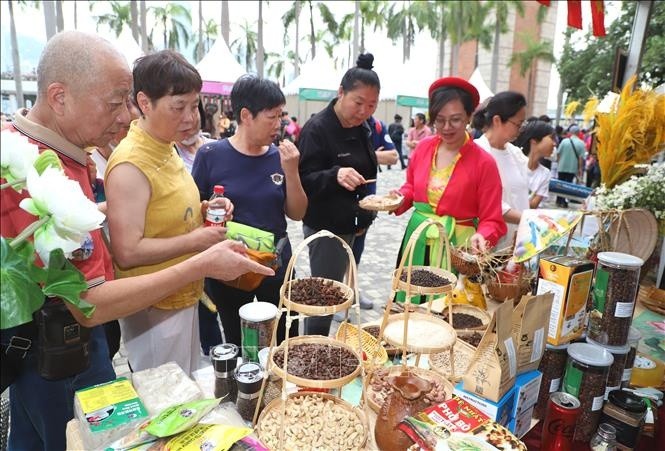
569	279
455	425
527	387
521	424
500	411
108	411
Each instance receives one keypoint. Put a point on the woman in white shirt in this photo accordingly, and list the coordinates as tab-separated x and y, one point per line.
537	141
504	116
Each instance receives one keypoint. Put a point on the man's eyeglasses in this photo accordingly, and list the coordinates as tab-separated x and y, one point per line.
455	122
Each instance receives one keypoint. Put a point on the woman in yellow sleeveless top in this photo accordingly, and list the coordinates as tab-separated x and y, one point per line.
154	211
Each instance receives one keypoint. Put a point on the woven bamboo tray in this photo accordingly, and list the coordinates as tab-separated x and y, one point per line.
348	333
278	404
440	362
314	310
419	341
312	383
464	263
376	399
377	202
464	333
390	350
440	307
418	290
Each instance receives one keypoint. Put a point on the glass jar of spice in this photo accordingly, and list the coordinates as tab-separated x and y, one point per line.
585	378
625	411
634	337
614	293
615	375
552	366
604	439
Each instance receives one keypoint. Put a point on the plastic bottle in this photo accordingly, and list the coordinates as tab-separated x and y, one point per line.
215	217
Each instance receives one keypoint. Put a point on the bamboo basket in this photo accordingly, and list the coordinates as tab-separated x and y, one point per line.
396	329
281	404
375	354
315	310
375	400
417	289
390	350
502	292
439	306
440	362
377	202
463	333
312	383
462	264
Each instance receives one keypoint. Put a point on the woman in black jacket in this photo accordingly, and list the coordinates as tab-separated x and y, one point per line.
336	160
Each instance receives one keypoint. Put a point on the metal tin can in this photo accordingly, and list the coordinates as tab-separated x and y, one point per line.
559	426
224	359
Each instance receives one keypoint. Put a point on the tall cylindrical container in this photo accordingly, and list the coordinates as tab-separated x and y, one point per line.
563	410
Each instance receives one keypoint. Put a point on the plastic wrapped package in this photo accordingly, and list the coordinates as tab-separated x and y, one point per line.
165	386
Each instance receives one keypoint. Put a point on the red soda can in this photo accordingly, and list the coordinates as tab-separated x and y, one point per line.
559	426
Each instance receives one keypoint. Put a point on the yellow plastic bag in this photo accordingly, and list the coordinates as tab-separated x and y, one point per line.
211	437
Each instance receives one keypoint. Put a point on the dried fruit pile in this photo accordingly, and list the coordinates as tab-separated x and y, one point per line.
315	292
318	361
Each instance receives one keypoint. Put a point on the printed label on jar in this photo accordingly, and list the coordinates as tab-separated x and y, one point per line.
624	309
626	374
555	384
512	357
572	380
600	289
250	344
597	403
537	349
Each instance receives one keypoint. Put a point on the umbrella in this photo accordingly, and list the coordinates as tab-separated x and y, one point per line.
539	229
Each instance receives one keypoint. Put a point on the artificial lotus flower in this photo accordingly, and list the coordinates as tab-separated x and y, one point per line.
67	214
17	157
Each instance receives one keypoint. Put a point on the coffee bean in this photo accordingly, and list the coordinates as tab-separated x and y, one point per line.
424	278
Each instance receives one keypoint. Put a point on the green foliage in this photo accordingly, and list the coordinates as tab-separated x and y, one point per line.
588	71
535	50
116	20
175	22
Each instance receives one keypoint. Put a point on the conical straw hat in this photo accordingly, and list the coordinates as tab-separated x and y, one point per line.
634	232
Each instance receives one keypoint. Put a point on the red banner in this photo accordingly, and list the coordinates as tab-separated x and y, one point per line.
575	13
598	17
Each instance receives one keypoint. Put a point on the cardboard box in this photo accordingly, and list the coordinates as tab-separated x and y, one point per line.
500	412
521	424
526	390
569	279
456	424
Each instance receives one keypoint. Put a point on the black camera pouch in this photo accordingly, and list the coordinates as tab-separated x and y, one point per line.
63	343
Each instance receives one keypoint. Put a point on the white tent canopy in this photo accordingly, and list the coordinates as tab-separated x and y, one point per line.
219	65
477	80
320	73
127	45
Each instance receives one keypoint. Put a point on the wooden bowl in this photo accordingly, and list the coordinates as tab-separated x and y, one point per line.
314	383
314	310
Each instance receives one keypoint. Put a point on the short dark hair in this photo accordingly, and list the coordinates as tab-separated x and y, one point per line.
440	97
420	116
397	117
256	94
505	104
362	73
545	118
165	73
532	130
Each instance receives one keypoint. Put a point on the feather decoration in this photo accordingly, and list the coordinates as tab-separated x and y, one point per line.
571	108
630	135
590	109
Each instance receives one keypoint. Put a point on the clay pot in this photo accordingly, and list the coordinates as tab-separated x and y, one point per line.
406	400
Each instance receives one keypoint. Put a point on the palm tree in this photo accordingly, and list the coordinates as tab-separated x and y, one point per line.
260	53
134	22
210	32
527	60
59	17
49	19
406	22
500	9
292	16
145	44
468	25
175	22
116	20
225	21
277	64
198	51
371	13
15	58
245	46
